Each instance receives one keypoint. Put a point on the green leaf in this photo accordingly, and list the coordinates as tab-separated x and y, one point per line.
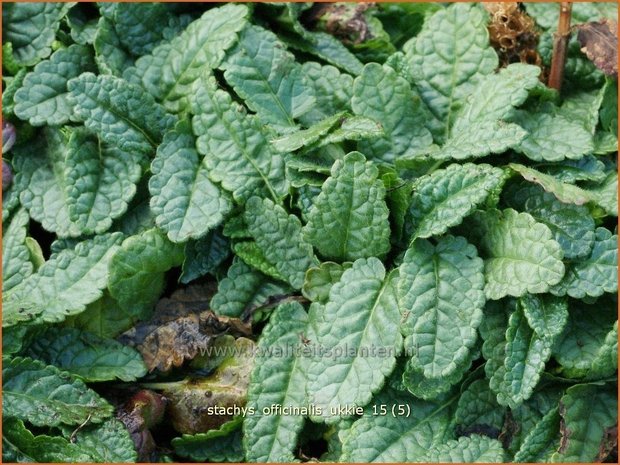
108	442
606	195
20	445
440	291
478	408
588	168
64	285
16	264
252	254
140	27
121	113
420	386
104	318
42	99
216	445
111	57
280	381
595	274
605	364
31	28
46	396
381	94
100	181
244	288
332	90
349	218
236	151
587	411
320	279
442	199
538	440
12	85
493	333
185	201
278	235
547	315
449	57
362	313
87	356
268	78
307	137
396	438
204	255
520	255
552	137
137	270
470	449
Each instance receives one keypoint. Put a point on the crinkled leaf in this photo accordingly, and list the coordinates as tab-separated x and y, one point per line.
236	151
320	279
268	78
108	442
349	218
12	85
449	58
204	255
46	396
332	90
280	381
379	93
216	445
42	99
478	410
440	291
111	57
588	168
307	137
547	315
87	356
470	449
16	264
442	199
139	27
253	255
185	201
64	285
137	270
123	114
544	436
362	313
104	318
596	274
278	235
606	195
605	364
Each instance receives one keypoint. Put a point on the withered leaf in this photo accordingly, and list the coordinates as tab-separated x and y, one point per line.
608	444
599	41
180	329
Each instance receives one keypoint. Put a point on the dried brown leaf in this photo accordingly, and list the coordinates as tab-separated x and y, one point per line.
599	41
608	444
181	328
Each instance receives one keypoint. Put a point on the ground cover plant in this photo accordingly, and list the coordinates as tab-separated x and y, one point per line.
278	232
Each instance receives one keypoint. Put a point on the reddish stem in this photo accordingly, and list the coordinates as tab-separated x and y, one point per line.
560	47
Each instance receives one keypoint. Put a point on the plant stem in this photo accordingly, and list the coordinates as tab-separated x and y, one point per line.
560	46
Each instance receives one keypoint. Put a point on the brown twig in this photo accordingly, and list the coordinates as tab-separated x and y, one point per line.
560	47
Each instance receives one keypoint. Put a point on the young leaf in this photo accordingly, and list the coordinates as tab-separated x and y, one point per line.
278	235
236	151
46	396
64	285
546	315
349	218
442	199
520	254
121	113
86	356
362	313
16	264
307	137
379	93
319	280
280	381
268	78
185	201
42	99
449	58
440	291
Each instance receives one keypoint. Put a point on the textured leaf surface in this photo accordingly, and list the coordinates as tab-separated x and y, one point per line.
520	254
253	255
477	407
449	58
595	274
546	315
64	285
140	27
46	396
268	78
362	313
319	280
42	99
137	270
332	90
387	438
216	445
236	151
349	218
440	291
110	54
280	381
16	264
543	436
379	93
87	356
442	199
108	442
185	201
420	386
307	137
470	449
121	113
204	256
279	237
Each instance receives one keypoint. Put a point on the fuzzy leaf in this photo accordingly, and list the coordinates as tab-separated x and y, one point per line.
440	291
185	201
470	449
252	254
361	313
16	264
538	439
546	315
46	396
332	90
319	280
349	218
